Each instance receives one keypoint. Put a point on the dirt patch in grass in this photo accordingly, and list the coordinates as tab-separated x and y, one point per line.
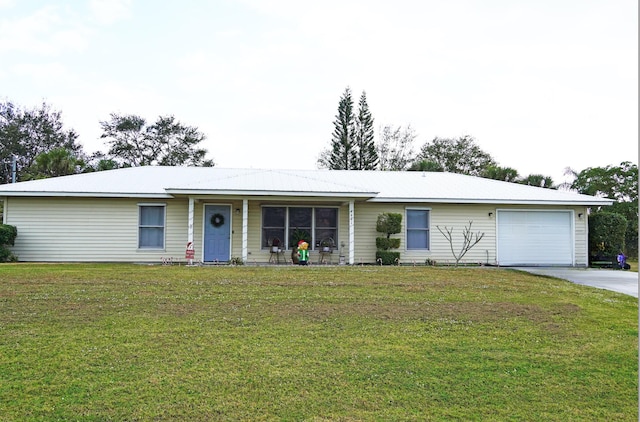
466	311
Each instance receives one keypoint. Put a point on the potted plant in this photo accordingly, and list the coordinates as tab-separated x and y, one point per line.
326	245
275	245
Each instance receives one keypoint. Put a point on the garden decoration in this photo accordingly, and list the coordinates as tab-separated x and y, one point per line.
217	220
303	252
297	236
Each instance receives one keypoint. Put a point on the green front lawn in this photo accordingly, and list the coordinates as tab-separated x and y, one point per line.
127	342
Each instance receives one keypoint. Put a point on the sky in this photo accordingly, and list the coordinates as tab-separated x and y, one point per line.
541	85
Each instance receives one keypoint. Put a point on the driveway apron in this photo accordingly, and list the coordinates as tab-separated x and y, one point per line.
616	280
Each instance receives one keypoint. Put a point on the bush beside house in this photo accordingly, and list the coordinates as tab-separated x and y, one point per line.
606	235
388	223
8	236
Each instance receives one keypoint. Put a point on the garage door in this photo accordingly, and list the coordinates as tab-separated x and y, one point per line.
535	238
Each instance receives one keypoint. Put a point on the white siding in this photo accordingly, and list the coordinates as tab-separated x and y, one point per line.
102	229
77	229
455	217
581	236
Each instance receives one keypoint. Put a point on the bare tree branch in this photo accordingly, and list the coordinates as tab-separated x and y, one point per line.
469	240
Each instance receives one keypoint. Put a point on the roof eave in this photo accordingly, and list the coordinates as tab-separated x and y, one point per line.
270	193
87	195
489	201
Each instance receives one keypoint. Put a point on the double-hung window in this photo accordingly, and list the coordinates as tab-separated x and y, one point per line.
418	228
151	226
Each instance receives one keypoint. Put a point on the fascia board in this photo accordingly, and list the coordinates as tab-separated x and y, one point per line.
87	195
271	193
489	201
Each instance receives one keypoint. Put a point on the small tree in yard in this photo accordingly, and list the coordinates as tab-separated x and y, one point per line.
7	238
468	242
388	223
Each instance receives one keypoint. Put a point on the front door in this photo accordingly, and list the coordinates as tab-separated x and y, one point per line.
217	233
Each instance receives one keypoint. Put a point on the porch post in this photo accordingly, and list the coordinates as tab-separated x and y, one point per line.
190	228
352	233
245	229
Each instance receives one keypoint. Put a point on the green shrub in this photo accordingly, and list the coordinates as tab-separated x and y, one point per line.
388	223
236	260
606	233
384	244
8	236
387	257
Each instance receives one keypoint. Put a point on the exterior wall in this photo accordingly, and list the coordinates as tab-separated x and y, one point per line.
456	217
102	229
90	229
581	224
451	216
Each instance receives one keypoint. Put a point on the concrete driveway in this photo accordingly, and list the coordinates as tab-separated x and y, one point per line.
617	280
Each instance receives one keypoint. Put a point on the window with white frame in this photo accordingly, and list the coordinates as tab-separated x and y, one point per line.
151	226
318	223
418	229
274	222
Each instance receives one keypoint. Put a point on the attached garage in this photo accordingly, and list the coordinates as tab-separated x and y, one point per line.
535	237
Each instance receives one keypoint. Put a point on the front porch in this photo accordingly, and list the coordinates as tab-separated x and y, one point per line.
244	229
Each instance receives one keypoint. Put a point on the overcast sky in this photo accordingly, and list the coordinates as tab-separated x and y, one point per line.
540	84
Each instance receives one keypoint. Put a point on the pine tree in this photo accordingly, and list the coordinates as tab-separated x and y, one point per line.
367	155
343	149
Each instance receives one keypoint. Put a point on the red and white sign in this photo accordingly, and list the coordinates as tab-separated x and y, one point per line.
191	251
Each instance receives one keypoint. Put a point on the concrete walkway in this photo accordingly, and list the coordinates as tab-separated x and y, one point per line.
616	280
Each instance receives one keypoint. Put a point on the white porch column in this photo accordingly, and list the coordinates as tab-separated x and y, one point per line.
245	229
352	233
190	227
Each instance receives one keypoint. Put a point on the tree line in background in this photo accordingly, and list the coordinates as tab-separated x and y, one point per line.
41	147
36	140
353	147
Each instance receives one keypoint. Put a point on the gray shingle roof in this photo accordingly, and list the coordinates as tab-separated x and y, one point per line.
375	186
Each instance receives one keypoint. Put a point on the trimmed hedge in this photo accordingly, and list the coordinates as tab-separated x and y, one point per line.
388	223
8	236
388	257
384	244
606	233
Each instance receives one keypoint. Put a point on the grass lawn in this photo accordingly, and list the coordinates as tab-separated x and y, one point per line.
127	342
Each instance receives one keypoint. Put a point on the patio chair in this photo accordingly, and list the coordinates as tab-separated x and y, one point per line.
275	250
327	246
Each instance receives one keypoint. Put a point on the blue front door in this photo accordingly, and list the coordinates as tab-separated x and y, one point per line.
217	233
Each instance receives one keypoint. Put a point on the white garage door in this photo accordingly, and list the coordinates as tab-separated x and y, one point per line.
535	238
